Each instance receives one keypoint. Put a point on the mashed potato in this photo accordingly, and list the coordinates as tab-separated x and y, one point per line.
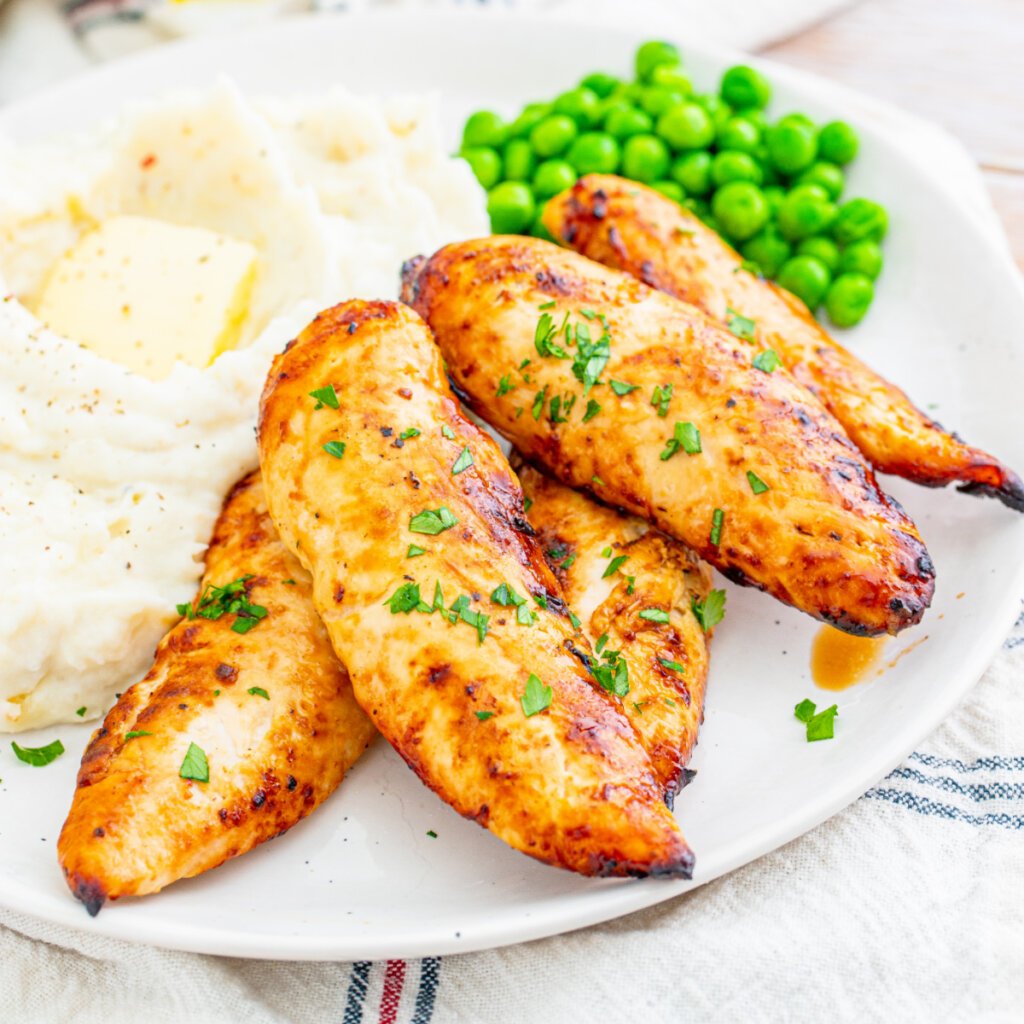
110	482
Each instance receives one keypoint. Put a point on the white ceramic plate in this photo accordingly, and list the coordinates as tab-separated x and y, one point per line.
361	879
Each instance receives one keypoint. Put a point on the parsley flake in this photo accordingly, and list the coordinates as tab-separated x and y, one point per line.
620	387
613	674
38	757
258	691
407	599
431	833
547	305
415	551
710	611
335	448
408	433
685	437
484	715
432	521
463	462
757	485
230	599
820	724
717	519
81	712
614	565
768	360
654	614
671	665
325	396
805	710
538	402
505	385
136	733
195	766
743	327
536	697
447	431
593	408
661	397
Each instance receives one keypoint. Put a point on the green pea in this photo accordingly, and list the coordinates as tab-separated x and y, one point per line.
631	91
862	258
860	220
740	134
670	189
532	114
730	165
594	153
740	208
686	126
821	248
511	207
693	172
580	104
743	87
797	118
698	207
774	195
792	146
486	164
672	77
710	222
806	211
552	177
484	128
519	160
848	299
611	105
838	142
655	54
645	158
768	249
625	123
553	135
600	83
656	100
807	278
828	175
756	118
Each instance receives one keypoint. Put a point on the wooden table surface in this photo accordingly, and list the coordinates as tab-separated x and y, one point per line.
957	62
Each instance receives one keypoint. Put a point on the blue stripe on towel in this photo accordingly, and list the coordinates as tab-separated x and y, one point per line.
922	805
357	992
991	791
1013	764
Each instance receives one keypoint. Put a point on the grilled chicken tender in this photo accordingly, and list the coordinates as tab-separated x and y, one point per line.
666	662
633	228
776	497
452	650
271	709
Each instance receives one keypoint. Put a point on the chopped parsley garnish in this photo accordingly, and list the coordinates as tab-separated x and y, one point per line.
820	725
460	611
545	334
432	521
595	479
231	599
614	565
654	614
757	485
463	462
447	432
542	600
289	583
38	757
415	551
81	712
407	599
505	385
136	733
325	396
555	411
588	314
506	597
613	673
606	552
591	356
660	398
672	666
710	611
335	448
631	580
593	408
768	360
670	702
431	833
258	691
717	519
527	504
620	387
743	327
602	642
750	266
484	715
536	697
547	305
408	433
574	619
538	402
685	437
195	766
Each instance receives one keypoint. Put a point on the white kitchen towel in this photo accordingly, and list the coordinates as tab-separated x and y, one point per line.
907	906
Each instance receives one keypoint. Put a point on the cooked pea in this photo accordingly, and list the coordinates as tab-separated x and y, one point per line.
806	211
743	87
645	158
848	299
519	160
594	153
768	249
670	189
730	165
655	54
792	146
511	207
828	175
807	278
484	128
838	142
624	123
862	258
655	100
582	105
740	209
860	220
600	83
532	114
693	172
552	177
686	126
821	248
739	134
486	164
553	135
672	77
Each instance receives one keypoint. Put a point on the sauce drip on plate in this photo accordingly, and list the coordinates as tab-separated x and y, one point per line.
839	660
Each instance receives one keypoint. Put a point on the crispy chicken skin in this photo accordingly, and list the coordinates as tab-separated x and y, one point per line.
135	825
665	704
569	785
635	229
823	537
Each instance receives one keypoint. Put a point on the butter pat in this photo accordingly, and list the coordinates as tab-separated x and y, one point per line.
146	294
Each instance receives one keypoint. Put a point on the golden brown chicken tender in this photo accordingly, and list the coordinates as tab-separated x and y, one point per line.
245	724
612	566
595	376
438	600
633	228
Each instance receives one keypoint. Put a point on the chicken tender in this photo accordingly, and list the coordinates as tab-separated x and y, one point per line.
245	724
597	377
636	229
438	600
